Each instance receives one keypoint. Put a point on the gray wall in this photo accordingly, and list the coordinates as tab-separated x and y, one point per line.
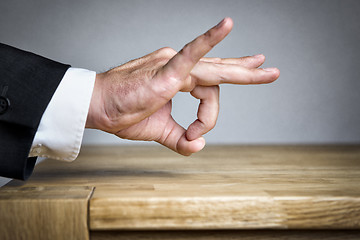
315	44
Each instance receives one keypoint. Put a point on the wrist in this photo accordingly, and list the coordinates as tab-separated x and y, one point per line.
94	117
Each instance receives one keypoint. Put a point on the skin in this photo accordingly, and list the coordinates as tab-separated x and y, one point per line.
133	101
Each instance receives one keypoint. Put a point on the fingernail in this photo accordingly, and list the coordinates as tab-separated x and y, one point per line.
220	24
270	69
258	55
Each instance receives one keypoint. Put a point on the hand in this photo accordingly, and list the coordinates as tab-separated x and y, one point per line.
133	101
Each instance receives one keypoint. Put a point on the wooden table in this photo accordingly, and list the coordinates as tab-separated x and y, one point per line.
223	192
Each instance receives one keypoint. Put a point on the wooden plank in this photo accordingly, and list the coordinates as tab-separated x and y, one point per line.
222	187
223	212
236	188
57	213
230	234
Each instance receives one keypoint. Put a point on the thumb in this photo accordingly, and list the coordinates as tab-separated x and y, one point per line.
174	137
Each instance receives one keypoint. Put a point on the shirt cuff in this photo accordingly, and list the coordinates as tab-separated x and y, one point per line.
62	125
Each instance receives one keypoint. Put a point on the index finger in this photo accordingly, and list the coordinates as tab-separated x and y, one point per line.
181	64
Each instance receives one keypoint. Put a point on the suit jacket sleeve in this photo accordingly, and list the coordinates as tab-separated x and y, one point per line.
27	83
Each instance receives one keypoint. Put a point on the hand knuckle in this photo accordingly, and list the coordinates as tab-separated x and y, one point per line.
208	124
252	78
186	50
206	38
212	124
167	51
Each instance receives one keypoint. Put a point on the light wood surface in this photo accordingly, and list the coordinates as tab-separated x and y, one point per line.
222	187
42	213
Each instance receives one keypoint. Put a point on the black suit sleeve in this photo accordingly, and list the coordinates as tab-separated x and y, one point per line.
27	83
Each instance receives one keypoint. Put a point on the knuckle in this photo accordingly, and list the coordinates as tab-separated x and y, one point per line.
160	62
220	73
207	35
206	38
167	51
212	125
188	53
252	77
186	50
209	124
218	66
166	87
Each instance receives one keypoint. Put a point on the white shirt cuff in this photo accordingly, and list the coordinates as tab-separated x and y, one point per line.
62	125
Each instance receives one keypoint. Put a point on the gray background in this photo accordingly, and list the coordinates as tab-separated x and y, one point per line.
313	43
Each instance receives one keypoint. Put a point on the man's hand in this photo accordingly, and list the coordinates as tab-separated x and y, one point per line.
133	101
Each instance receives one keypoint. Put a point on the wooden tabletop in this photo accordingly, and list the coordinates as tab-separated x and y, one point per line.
222	187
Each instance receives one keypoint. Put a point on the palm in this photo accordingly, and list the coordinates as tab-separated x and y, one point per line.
151	128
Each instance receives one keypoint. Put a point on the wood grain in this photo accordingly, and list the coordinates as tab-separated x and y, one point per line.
222	187
42	213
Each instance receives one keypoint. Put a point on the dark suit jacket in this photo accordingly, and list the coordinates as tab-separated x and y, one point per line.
27	83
